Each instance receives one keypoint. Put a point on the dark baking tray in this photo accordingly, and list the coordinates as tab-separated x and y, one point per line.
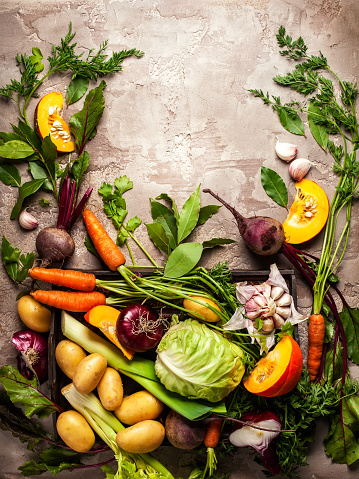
57	379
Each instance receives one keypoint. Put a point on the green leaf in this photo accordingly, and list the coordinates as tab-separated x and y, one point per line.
159	237
49	154
350	320
319	132
38	172
217	242
43	203
342	441
80	165
166	197
133	224
25	190
36	58
189	215
90	246
53	459
333	367
28	134
183	259
25	392
83	124
10	175
290	120
15	263
77	88
123	184
206	212
274	186
15	150
164	216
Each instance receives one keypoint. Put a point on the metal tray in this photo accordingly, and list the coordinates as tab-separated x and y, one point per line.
57	379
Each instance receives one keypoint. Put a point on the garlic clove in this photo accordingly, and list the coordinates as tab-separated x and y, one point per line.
278	321
284	300
267	325
283	311
253	314
260	300
299	168
286	151
276	292
27	221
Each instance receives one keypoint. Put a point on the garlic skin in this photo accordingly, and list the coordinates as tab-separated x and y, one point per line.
27	221
299	168
286	151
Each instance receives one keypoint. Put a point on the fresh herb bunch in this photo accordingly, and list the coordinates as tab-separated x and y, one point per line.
330	109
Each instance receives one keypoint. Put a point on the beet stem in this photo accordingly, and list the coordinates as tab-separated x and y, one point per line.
69	206
77	211
240	219
63	200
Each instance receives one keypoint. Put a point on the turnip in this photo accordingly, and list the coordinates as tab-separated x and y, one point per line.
55	244
263	235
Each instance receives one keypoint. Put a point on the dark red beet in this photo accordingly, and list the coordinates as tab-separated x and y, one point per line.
54	245
263	235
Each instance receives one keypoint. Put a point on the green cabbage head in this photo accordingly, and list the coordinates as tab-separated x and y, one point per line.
197	362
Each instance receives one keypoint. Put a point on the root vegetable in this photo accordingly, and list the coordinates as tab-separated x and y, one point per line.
54	245
263	235
200	310
76	301
89	373
138	407
143	437
75	431
68	355
33	314
183	433
110	389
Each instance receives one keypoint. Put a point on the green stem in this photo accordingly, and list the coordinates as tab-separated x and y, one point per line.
143	249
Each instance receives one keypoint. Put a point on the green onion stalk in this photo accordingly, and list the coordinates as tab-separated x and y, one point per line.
106	425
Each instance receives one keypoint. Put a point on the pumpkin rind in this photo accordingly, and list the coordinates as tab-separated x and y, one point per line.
48	121
308	213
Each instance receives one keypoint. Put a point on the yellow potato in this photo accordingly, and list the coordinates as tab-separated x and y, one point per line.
68	356
202	312
110	389
138	407
33	314
89	372
145	436
75	431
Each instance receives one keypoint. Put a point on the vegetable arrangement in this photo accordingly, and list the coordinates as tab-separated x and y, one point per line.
216	362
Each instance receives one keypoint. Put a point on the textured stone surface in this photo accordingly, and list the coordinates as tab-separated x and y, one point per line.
179	117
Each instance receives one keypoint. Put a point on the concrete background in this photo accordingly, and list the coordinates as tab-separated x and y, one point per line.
178	117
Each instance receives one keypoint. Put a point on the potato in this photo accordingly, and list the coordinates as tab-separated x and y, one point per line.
183	433
33	314
202	312
139	407
145	436
68	356
89	372
110	389
75	431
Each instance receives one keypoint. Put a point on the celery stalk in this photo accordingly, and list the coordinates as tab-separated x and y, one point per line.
140	369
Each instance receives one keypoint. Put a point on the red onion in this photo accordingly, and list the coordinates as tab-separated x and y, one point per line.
33	354
139	328
267	426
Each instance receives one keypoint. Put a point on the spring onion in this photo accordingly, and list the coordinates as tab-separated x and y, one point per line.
140	369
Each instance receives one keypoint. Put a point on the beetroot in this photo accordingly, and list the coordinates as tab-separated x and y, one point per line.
263	235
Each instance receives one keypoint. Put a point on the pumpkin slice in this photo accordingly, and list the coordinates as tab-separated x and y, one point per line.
278	372
308	213
48	121
104	318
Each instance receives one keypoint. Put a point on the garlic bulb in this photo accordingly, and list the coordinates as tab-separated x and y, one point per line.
27	221
286	151
299	168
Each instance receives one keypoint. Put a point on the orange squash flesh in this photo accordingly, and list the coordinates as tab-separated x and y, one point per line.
308	213
104	318
49	122
278	372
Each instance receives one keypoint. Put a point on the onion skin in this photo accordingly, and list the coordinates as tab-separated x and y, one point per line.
54	245
263	235
33	354
139	328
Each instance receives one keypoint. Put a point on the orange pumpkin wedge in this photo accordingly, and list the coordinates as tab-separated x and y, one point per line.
278	372
308	213
48	121
105	318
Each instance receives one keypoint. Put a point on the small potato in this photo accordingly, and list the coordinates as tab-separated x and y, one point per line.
89	373
33	314
145	436
68	356
138	407
75	431
110	389
202	312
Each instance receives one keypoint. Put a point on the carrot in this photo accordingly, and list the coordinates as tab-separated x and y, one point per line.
75	301
105	246
213	431
316	332
61	277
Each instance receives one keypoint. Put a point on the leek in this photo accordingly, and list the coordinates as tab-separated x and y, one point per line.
106	425
140	369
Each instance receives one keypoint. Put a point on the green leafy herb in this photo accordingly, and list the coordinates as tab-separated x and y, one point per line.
274	186
183	259
10	175
76	89
16	264
25	190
